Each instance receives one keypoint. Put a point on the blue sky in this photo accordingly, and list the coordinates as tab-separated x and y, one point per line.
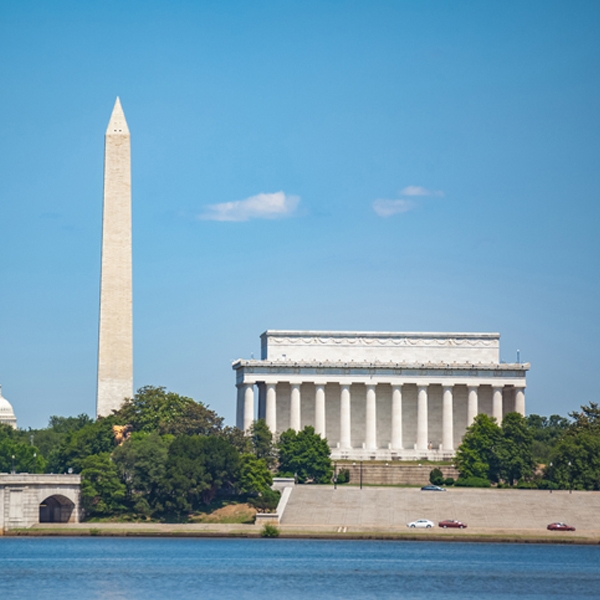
396	166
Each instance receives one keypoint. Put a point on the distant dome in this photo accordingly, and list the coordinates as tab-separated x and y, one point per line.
7	414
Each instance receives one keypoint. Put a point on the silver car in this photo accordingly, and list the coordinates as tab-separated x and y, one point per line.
422	524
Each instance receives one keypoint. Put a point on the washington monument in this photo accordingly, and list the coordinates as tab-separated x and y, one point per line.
115	344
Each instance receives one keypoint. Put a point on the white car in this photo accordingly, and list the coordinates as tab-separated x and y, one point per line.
421	523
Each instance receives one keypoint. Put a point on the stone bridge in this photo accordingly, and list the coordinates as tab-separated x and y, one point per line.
28	499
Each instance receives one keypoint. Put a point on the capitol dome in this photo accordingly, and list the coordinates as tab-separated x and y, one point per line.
7	414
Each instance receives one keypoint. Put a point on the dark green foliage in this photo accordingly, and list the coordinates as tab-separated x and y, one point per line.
155	409
141	463
306	455
266	502
476	456
527	485
496	453
93	438
546	432
343	476
254	478
481	482
238	439
436	477
195	419
515	455
262	442
269	531
197	469
28	458
49	439
102	493
449	481
545	484
575	460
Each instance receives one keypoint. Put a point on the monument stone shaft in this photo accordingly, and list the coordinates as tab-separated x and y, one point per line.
115	344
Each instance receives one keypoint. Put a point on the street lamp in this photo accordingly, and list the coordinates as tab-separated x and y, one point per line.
335	476
13	465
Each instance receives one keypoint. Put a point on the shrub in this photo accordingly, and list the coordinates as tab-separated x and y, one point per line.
267	501
269	531
480	482
527	485
545	484
449	481
343	476
436	477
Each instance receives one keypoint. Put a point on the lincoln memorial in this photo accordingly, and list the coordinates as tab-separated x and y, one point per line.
379	396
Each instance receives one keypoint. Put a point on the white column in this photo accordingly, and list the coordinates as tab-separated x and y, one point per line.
320	410
345	441
371	425
472	408
295	407
497	404
248	406
239	412
422	418
447	419
271	409
520	400
396	417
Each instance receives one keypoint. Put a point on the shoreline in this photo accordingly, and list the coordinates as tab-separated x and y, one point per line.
228	531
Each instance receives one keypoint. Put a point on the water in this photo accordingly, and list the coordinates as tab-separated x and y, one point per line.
130	569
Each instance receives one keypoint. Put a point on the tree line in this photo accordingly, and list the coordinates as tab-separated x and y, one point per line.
165	456
175	457
533	452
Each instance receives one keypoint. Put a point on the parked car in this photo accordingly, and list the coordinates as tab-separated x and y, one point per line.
432	488
560	527
452	523
421	524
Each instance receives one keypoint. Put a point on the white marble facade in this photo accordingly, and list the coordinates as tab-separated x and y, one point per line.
379	396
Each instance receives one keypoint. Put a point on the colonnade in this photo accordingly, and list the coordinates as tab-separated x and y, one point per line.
246	405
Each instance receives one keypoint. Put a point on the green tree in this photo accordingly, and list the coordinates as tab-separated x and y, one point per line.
575	461
255	478
476	456
195	419
141	464
198	468
102	492
262	442
306	455
546	433
27	458
155	409
96	437
49	438
238	439
514	453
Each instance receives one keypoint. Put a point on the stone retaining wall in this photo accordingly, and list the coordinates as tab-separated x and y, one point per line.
394	474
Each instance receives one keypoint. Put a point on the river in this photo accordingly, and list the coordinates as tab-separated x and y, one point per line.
149	568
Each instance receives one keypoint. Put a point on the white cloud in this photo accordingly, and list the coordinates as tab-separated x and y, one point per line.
261	206
417	190
387	208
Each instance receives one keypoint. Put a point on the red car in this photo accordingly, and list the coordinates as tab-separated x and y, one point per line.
560	527
452	523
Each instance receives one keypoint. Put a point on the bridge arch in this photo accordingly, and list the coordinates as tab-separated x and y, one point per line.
56	509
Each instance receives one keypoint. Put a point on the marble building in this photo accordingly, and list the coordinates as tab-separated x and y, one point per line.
7	414
379	395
